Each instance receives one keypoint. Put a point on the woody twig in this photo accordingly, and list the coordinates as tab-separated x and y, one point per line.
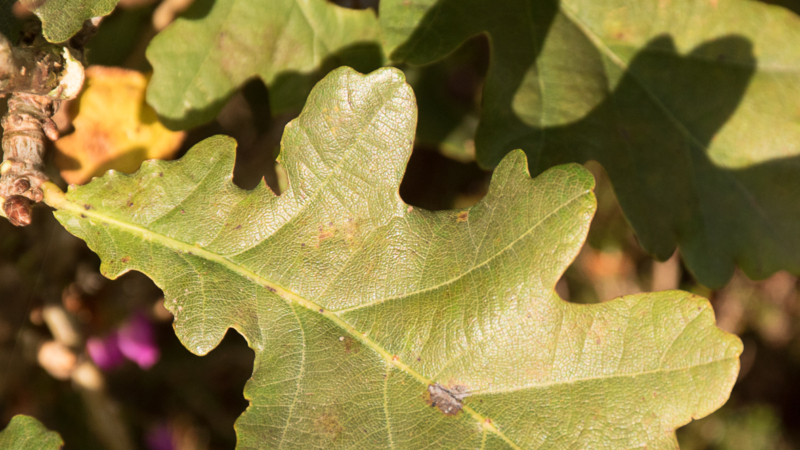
37	75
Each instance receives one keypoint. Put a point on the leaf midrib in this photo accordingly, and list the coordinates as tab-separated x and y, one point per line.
55	198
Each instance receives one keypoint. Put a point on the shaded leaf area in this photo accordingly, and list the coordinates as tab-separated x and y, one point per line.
121	38
114	127
10	25
448	96
699	136
27	433
216	46
363	311
61	19
791	5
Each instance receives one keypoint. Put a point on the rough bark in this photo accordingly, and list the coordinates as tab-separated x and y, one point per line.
38	76
30	70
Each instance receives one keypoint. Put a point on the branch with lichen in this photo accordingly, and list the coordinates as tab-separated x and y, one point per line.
37	75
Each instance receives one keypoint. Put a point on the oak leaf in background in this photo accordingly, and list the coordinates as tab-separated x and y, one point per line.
27	433
691	107
215	46
114	127
61	19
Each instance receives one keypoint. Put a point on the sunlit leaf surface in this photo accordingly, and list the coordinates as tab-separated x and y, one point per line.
27	433
380	325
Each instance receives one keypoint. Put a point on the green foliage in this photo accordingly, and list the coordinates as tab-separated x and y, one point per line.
362	310
216	46
27	433
689	105
61	19
692	115
9	25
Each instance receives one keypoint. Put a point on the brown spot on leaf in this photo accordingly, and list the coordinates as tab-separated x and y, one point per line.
326	234
462	216
448	400
351	345
125	259
329	424
326	231
352	235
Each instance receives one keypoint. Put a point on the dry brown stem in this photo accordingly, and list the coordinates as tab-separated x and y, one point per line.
37	75
31	70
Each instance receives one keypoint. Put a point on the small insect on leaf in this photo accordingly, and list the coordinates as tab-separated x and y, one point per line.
447	400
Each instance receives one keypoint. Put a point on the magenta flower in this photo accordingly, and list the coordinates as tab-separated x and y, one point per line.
137	341
105	352
134	340
159	437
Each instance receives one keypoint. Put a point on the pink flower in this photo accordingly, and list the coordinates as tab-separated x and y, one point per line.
105	352
134	340
137	341
159	437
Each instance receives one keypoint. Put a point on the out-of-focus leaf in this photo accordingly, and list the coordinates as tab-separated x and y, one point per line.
61	19
691	106
118	36
447	98
379	325
27	433
755	427
9	24
114	127
202	58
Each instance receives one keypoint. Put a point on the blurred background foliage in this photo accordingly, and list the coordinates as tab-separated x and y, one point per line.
185	402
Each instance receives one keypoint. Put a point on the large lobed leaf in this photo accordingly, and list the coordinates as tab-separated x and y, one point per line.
362	310
61	19
201	59
690	105
27	433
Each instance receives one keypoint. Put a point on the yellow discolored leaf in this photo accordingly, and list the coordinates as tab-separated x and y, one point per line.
114	127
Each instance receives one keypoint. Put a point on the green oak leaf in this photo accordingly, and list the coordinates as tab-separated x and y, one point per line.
216	46
364	312
27	433
61	19
690	106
